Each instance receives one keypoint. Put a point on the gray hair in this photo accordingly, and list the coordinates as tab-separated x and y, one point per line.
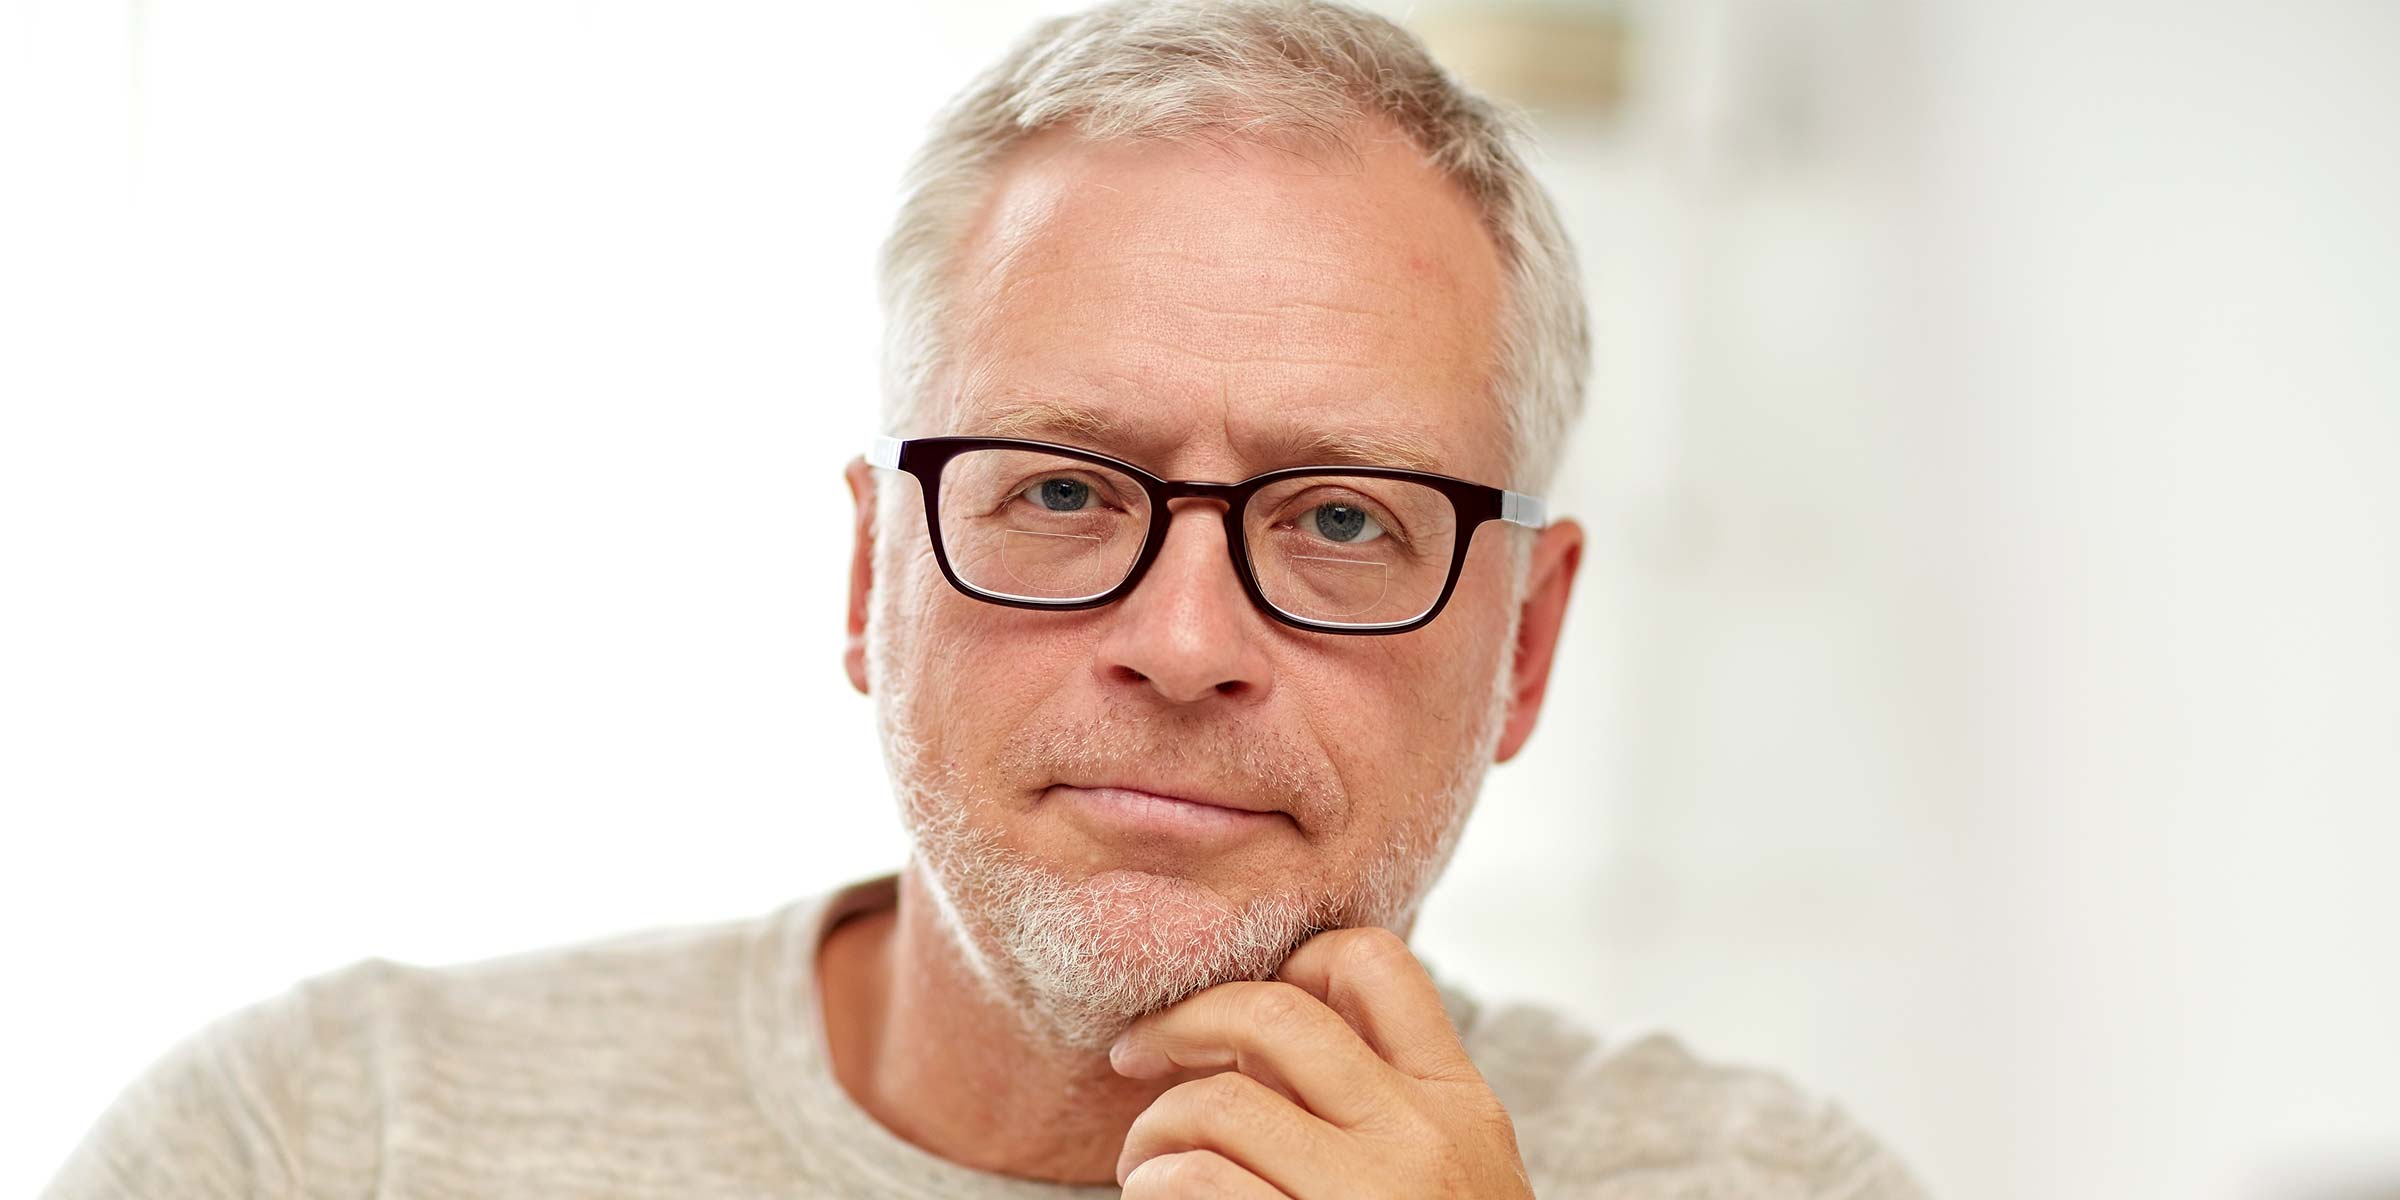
1307	70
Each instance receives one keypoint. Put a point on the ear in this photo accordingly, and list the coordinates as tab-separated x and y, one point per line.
862	568
1549	577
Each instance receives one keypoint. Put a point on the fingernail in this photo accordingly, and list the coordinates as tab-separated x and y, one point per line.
1129	1059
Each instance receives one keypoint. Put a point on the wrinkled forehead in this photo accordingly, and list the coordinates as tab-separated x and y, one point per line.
1234	306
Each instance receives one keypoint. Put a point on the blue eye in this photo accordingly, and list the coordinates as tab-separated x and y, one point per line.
1060	495
1346	523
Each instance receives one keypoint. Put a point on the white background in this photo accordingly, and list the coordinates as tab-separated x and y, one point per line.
421	535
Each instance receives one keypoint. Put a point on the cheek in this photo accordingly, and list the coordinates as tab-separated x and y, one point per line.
1480	620
969	673
1399	714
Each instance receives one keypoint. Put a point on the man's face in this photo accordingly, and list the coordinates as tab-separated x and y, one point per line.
1204	312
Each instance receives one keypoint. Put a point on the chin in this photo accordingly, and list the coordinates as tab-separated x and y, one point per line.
1090	955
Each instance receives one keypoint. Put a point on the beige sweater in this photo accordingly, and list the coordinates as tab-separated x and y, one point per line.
691	1063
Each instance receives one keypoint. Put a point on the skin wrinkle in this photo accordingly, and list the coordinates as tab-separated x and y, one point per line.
1039	415
1025	279
1292	347
1289	348
1257	322
1295	360
1282	327
1271	311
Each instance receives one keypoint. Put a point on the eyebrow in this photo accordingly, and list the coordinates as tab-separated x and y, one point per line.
1370	448
1034	415
1046	418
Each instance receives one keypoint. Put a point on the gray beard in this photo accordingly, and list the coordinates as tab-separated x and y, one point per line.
1076	961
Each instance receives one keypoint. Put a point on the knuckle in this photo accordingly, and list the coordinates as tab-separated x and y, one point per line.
1210	1108
1192	1173
1279	1007
1374	946
1223	1100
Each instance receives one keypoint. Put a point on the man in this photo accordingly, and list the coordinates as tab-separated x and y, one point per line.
1200	581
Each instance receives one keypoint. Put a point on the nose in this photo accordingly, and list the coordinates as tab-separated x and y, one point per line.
1187	631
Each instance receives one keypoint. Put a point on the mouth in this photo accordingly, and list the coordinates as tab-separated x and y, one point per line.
1173	794
1118	812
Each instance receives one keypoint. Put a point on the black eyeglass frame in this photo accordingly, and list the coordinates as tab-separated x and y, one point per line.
1474	503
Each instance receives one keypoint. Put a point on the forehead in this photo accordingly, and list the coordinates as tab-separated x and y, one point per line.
1233	306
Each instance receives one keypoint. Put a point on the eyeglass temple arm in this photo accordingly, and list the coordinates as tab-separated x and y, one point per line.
1516	508
885	452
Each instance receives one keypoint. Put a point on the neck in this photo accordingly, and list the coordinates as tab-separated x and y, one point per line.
921	1044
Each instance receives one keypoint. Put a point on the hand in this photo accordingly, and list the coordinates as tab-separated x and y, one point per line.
1342	1077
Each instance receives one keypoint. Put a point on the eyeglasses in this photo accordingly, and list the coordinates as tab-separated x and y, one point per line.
1334	549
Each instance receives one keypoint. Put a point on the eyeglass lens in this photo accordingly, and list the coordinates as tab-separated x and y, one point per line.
1331	548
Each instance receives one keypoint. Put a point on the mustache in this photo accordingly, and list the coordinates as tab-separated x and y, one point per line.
1216	759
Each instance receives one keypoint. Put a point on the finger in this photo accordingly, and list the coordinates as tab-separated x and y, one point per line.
1273	1032
1196	1173
1372	979
1246	1121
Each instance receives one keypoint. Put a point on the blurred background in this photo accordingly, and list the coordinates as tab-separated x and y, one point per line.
420	435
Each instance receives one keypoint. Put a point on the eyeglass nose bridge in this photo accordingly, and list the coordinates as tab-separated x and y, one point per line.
1228	494
1229	499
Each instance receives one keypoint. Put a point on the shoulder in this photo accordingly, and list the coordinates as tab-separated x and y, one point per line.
218	1114
293	1092
665	970
584	995
1651	1118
